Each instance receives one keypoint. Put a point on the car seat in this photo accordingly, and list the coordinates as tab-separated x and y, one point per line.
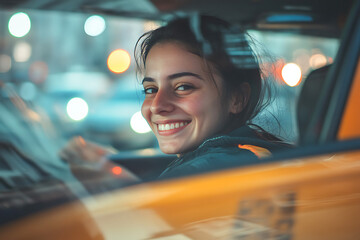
308	97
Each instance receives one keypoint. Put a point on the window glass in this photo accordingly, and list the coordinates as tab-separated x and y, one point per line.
292	58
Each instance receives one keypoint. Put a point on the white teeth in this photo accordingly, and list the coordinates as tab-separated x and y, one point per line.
164	127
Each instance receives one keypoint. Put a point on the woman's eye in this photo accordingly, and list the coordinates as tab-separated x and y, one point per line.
150	90
184	87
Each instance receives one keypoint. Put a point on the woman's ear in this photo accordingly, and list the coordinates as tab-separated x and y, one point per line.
240	98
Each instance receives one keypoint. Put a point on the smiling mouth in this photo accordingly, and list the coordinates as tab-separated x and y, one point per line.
171	126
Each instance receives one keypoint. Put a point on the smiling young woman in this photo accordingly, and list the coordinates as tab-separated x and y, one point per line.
203	86
182	106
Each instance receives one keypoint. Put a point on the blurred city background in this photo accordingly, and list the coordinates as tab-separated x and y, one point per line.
77	74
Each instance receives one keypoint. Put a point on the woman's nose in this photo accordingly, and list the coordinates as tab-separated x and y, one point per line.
162	103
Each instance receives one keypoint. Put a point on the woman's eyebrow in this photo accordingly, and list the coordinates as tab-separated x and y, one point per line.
173	76
147	79
184	74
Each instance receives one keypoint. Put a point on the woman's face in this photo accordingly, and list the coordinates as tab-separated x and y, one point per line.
182	104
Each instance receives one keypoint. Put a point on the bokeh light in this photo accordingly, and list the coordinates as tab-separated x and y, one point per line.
19	24
330	60
301	57
22	52
28	91
38	72
317	60
77	109
116	170
94	25
138	123
5	63
118	61
291	74
150	25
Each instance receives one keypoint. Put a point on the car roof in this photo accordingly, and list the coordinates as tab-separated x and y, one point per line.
314	17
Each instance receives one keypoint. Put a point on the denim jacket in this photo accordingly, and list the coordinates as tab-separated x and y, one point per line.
240	147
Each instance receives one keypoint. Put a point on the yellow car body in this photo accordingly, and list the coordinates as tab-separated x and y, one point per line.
313	197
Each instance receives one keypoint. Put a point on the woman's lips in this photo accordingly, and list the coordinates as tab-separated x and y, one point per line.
166	129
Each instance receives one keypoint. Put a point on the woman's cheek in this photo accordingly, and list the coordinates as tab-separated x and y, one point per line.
145	111
194	105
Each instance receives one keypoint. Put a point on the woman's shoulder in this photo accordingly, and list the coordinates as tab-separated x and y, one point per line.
240	147
247	138
216	158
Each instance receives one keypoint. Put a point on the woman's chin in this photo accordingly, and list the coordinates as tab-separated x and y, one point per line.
171	147
169	150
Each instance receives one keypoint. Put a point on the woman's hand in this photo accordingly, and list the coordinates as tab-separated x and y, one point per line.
79	151
89	164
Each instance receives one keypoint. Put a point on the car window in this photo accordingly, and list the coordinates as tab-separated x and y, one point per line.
50	71
72	75
76	74
293	57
